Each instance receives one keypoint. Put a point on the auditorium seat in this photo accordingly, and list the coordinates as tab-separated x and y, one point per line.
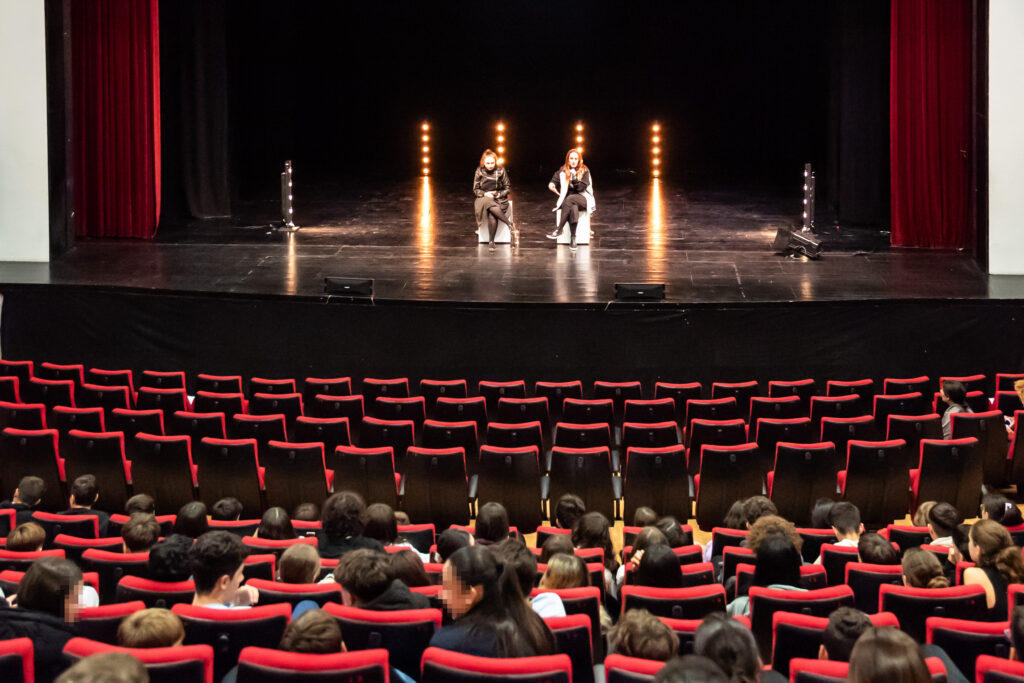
765	602
727	473
803	473
516	434
723	537
110	378
910	403
586	601
444	666
289	405
370	472
164	400
582	435
176	664
848	405
433	389
732	557
400	435
909	536
197	425
801	635
876	480
588	411
25	452
131	422
437	434
421	536
350	407
405	634
913	428
102	455
117	522
573	638
694	602
264	546
154	593
989	669
271	665
105	397
461	410
618	393
649	434
9	389
703	432
435	486
23	370
992	447
586	472
22	415
780	408
112	566
803	389
21	560
947	471
513	410
261	385
623	669
8	520
1006	402
17	660
64	419
231	630
264	566
741	391
812	577
512	476
101	623
913	606
894	385
72	372
650	411
842	430
713	409
413	408
74	546
159	379
294	473
272	592
657	478
331	386
835	558
680	392
260	428
372	387
329	431
556	393
230	467
865	579
768	432
228	404
162	466
965	641
79	526
219	384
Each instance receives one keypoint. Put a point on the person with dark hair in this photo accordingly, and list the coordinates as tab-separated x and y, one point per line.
191	520
735	518
659	568
227	510
407	566
690	669
756	507
84	494
845	625
48	603
491	524
644	516
673	530
998	563
593	530
366	581
999	508
26	538
492	618
555	544
731	646
299	563
872	548
886	654
140	533
777	565
953	394
382	525
921	569
1017	633
140	502
514	553
568	509
450	540
490	188
342	522
641	634
648	536
844	518
306	512
105	667
275	525
821	513
168	559
25	499
216	561
942	519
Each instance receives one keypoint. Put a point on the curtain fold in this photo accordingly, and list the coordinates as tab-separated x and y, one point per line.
930	101
116	117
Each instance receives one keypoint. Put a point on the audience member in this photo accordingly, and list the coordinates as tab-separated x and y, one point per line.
314	632
275	525
690	669
299	563
1017	632
407	566
658	568
366	582
26	538
999	508
920	518
342	519
845	522
568	509
961	548
735	517
25	499
731	646
153	627
942	519
593	530
168	559
954	395
845	626
555	544
227	510
191	520
648	536
84	494
998	563
921	569
873	548
381	525
777	565
565	570
644	516
491	617
514	553
821	513
491	524
673	530
216	560
641	634
140	502
886	654
105	667
772	525
306	512
140	533
450	540
756	507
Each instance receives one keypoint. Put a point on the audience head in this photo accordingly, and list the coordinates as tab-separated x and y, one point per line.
641	634
1000	509
276	525
921	569
513	553
690	669
644	516
191	520
844	518
84	491
756	507
991	546
845	625
673	530
106	667
1017	631
659	568
342	515
648	536
942	519
26	538
593	530
30	491
565	570
227	510
306	512
821	513
777	562
402	517
772	525
730	645
873	548
381	524
299	563
140	502
140	533
553	545
451	540
153	627
491	523
363	575
51	585
735	518
313	632
954	391
216	560
886	654
962	540
921	514
407	566
568	509
168	559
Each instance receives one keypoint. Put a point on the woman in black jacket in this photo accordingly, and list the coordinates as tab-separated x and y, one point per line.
47	606
491	187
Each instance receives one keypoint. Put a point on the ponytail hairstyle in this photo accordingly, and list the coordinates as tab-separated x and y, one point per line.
730	645
996	549
1001	509
502	609
922	569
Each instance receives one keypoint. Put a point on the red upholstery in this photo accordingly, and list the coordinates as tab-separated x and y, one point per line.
155	593
347	667
633	668
865	580
820	670
259	385
913	606
233	629
677	603
989	668
219	383
163	380
201	656
20	648
965	641
101	623
82	526
293	593
438	663
765	602
799	635
405	634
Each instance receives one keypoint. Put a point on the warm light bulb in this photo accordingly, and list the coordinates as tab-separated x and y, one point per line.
656	173
579	149
579	126
425	126
426	171
426	160
425	138
655	139
501	150
501	138
657	161
656	150
579	138
501	126
655	128
500	161
425	148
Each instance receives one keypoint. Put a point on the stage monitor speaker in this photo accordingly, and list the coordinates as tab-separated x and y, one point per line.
354	287
790	242
640	291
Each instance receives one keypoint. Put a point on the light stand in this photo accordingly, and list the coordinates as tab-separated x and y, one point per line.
287	210
808	213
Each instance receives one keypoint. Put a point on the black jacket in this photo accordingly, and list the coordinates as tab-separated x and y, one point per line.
495	181
22	512
49	635
102	518
333	548
396	597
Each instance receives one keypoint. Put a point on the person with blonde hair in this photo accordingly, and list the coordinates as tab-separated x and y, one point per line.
921	569
299	563
565	571
153	627
921	514
27	537
998	563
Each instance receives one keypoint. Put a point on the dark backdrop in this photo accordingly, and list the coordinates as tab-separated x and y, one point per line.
746	91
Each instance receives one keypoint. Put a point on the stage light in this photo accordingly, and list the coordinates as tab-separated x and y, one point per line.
426	171
655	128
655	139
808	213
426	160
579	126
657	161
499	138
501	150
501	126
425	126
501	161
656	150
426	147
657	173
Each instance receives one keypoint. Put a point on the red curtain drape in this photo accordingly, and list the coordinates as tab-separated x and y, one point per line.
116	117
930	103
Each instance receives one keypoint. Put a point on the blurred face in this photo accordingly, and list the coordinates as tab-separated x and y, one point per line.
457	597
72	605
574	160
490	163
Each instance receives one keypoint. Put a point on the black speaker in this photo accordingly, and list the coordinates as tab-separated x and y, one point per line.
353	287
640	291
790	242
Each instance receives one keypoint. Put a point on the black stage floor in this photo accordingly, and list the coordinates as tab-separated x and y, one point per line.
418	243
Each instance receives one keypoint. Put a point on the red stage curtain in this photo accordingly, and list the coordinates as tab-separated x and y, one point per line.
930	90
116	117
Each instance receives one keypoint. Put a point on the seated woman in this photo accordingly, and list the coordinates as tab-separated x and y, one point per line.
921	569
576	194
648	536
777	565
491	187
954	395
593	530
998	564
275	525
659	568
887	654
641	634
